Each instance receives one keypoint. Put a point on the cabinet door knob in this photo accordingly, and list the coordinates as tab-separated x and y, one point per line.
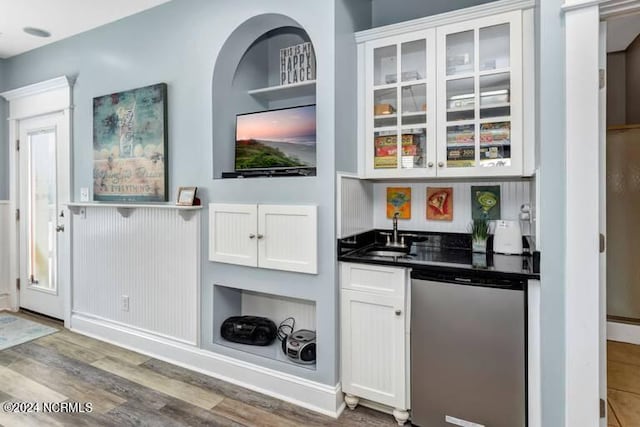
440	164
260	236
252	236
398	312
430	164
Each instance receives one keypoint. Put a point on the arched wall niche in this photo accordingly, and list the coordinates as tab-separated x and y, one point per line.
249	60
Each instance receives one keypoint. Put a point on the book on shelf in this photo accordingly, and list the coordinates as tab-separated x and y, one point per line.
385	162
382	140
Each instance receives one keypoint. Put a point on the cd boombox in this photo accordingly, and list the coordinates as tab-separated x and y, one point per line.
252	330
300	346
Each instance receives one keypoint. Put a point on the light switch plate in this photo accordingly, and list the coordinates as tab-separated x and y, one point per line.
84	194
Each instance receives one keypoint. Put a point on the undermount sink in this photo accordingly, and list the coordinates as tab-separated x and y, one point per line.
386	252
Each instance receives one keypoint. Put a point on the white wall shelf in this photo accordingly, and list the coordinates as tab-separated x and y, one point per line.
277	93
126	209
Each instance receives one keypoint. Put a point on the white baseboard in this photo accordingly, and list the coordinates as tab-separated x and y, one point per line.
327	400
5	302
623	332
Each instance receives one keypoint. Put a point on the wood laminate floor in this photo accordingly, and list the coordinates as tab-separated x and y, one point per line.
130	389
623	383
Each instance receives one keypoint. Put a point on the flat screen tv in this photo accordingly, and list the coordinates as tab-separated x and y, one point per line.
277	141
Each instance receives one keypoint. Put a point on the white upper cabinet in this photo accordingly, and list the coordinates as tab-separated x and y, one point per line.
288	238
233	234
480	97
445	98
400	112
278	237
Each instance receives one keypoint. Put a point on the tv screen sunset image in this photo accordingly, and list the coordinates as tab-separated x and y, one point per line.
276	139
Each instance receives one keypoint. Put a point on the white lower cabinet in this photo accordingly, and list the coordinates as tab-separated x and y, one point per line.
374	336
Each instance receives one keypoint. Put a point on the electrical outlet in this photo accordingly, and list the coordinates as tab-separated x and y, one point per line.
124	303
84	194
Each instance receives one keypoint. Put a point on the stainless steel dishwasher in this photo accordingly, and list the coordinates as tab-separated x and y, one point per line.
468	347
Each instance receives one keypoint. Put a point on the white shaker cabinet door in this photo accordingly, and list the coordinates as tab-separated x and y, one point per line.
288	238
374	347
233	233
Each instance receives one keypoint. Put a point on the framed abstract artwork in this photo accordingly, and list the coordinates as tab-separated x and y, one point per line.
440	203
399	200
485	202
130	145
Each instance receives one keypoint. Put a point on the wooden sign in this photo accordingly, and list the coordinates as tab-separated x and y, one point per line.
297	64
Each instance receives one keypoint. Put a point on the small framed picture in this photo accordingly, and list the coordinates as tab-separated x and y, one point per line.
186	196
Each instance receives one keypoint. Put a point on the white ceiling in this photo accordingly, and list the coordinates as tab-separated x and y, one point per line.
62	18
622	31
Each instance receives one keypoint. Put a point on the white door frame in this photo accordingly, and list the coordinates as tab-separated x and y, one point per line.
602	191
582	298
51	96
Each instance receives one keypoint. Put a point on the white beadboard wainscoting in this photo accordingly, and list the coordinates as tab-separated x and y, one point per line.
354	205
513	194
279	308
152	257
5	280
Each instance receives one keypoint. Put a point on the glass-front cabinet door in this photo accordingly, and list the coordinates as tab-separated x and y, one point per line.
400	106
480	97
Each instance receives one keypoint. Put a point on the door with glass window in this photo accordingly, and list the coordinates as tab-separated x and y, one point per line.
480	97
400	117
42	218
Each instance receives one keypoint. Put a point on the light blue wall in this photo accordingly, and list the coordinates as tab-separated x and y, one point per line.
387	12
552	207
4	139
178	43
351	15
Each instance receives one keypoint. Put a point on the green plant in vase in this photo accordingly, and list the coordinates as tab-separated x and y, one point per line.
479	229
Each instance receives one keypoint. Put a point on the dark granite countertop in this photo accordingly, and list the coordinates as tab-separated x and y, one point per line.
450	252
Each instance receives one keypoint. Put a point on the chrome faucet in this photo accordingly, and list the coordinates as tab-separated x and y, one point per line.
395	229
392	238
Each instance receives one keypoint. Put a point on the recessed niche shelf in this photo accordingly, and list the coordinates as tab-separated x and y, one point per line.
246	80
278	93
238	302
273	351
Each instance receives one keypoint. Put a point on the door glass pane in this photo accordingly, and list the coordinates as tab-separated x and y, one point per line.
42	208
414	60
461	149
385	105
495	95
460	53
414	142
385	67
495	144
385	150
414	104
494	47
461	100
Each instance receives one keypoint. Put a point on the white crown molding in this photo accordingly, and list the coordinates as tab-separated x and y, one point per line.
480	11
611	8
608	8
61	82
571	6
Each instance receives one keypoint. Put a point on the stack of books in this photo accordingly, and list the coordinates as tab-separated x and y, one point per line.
386	150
